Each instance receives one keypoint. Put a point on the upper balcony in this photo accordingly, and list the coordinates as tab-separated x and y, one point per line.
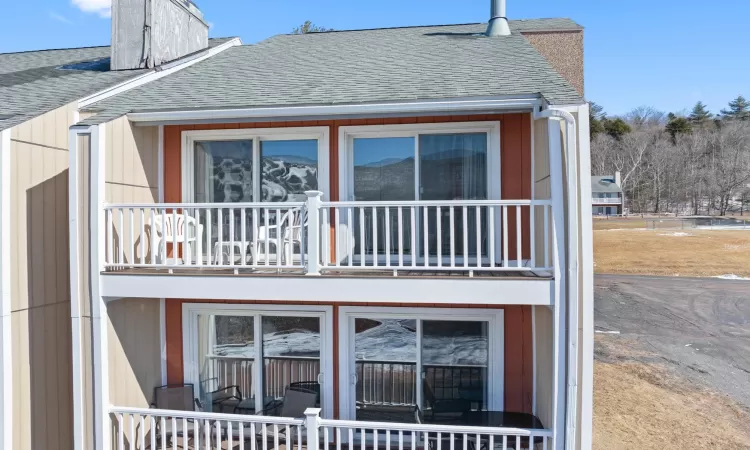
483	240
474	238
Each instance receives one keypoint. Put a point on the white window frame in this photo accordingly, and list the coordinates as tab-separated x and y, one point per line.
347	134
191	365
496	354
189	138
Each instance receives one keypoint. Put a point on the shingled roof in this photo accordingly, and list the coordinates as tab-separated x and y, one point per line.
362	66
33	83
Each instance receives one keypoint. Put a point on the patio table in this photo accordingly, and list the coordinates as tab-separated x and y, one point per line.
504	419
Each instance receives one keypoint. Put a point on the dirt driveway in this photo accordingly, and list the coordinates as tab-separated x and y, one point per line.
673	362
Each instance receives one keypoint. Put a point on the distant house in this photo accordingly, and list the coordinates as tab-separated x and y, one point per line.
606	195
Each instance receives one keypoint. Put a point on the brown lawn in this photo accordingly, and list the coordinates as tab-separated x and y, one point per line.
637	406
672	252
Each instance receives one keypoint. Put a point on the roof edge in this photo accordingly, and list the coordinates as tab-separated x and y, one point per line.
157	73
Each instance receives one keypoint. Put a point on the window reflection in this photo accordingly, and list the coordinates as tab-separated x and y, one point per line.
288	169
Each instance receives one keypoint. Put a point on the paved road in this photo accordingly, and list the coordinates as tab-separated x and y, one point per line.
699	327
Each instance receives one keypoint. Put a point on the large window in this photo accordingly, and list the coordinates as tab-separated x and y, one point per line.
243	166
245	360
457	161
446	363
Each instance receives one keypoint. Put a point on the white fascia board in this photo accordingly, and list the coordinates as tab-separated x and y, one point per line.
6	348
402	107
490	291
157	73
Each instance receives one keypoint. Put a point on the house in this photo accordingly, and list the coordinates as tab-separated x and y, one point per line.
41	96
367	228
606	195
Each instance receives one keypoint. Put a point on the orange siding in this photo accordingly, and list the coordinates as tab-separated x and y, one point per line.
517	336
515	157
515	174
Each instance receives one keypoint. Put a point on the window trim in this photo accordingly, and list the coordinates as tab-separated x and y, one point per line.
191	311
496	354
187	160
348	133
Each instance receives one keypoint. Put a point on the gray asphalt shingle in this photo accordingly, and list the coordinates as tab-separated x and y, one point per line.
350	67
33	83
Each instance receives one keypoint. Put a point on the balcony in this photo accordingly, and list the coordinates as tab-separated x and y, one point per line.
487	238
606	200
140	428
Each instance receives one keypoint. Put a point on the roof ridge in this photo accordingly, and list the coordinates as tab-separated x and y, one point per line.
54	49
403	27
89	47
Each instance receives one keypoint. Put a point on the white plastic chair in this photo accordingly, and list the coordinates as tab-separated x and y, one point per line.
179	229
286	233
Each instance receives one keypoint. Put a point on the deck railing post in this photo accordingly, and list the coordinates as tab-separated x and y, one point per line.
312	417
313	232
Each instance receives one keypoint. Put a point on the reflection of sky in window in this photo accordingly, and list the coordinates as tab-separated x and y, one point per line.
228	149
374	150
300	151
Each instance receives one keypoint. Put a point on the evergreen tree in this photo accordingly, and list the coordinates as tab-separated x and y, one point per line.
616	128
699	114
677	125
596	116
739	108
309	27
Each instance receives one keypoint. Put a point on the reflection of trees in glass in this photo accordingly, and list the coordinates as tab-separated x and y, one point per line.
233	330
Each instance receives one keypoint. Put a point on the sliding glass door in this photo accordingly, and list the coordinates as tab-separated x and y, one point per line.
441	363
255	356
392	166
228	167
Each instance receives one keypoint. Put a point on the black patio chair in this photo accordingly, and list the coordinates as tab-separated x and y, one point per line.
445	438
445	409
177	397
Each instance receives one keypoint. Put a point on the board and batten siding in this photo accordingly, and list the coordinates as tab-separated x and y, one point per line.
131	165
40	282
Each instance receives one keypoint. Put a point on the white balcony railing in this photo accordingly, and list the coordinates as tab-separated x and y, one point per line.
464	235
141	428
608	200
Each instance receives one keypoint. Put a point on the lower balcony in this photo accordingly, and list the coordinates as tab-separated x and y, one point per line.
138	428
477	238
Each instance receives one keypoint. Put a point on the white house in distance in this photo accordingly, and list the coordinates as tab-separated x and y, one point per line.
606	195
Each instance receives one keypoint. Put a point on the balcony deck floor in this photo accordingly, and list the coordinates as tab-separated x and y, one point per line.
358	273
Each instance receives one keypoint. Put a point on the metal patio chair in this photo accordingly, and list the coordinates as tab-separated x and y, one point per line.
177	397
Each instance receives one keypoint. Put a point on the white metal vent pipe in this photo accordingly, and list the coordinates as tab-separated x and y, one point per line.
498	24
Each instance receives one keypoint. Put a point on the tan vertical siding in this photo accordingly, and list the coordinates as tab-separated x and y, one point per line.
40	293
134	353
544	361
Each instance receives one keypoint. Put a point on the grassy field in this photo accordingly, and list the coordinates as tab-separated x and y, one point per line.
640	406
672	252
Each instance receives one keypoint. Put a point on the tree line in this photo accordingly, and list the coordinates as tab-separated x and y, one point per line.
694	163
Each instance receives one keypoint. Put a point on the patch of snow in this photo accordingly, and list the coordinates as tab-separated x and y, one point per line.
677	234
606	332
731	276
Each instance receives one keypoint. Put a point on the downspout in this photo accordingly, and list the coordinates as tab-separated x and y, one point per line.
571	164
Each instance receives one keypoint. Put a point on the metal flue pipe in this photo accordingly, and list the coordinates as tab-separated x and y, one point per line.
498	24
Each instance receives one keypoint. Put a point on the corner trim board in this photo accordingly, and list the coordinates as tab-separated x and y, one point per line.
6	347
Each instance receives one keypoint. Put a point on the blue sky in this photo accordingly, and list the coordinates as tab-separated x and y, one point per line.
664	53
